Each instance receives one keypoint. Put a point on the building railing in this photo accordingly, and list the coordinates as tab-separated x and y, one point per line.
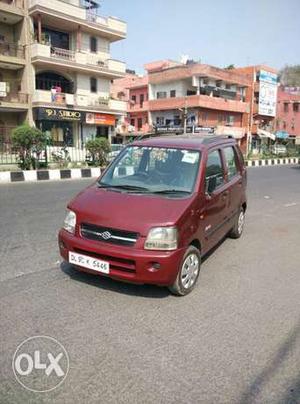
75	9
19	98
12	49
15	3
60	53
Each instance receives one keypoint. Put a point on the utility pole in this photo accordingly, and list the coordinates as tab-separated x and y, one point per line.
185	116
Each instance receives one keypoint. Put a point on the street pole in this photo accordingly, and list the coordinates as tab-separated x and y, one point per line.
185	116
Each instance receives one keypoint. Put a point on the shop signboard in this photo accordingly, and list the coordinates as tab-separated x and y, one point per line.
100	119
54	114
267	93
180	129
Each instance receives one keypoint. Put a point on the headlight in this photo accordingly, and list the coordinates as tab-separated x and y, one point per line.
70	222
162	238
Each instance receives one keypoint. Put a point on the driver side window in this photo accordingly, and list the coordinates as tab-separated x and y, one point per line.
214	173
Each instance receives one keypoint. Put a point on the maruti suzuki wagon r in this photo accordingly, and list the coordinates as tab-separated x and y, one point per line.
159	207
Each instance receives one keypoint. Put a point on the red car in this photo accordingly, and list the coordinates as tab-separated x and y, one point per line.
159	207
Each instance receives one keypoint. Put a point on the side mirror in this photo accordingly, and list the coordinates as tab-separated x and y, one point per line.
211	185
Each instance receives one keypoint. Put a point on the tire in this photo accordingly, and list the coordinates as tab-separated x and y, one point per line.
239	224
188	272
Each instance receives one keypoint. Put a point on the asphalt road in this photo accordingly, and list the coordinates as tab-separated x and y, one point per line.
235	339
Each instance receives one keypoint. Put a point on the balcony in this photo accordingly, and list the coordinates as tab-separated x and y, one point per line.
83	102
12	10
14	101
70	14
138	107
203	101
78	61
12	54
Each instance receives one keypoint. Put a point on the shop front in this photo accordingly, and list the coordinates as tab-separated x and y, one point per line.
98	125
62	126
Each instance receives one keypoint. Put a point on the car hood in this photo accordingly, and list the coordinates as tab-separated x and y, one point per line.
127	211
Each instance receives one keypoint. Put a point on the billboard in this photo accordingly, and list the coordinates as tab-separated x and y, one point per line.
267	93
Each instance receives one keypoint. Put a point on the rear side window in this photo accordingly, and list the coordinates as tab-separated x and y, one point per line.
214	168
230	158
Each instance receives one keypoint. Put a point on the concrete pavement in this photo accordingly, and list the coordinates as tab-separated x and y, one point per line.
235	339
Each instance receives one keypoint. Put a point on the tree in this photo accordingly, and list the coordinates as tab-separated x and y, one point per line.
229	67
30	142
99	148
290	76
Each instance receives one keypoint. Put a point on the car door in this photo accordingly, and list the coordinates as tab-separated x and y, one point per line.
234	179
214	213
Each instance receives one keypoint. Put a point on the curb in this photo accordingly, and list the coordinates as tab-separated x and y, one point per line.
46	175
94	172
272	162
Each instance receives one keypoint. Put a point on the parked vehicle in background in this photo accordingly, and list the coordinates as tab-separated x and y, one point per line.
159	207
279	149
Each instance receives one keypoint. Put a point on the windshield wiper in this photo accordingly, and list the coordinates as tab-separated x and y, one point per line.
171	191
125	186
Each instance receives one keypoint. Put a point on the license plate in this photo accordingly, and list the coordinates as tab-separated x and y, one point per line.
89	262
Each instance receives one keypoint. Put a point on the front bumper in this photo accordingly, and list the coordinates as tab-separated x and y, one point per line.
126	263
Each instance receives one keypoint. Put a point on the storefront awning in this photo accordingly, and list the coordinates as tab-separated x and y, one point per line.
265	134
237	133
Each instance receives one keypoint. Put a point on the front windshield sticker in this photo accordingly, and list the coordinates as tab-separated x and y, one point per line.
190	157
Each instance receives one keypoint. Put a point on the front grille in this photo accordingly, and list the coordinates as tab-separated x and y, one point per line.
118	264
108	235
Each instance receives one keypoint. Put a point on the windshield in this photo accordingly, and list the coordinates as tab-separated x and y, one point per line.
153	170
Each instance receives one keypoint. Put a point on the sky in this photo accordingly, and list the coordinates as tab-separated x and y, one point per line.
216	32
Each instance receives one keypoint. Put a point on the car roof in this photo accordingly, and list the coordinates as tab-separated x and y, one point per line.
198	142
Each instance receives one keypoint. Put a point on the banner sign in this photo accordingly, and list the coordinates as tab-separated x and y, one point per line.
180	129
267	93
100	119
53	114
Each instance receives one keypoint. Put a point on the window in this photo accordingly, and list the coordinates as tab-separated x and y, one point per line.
93	84
228	86
173	93
142	97
93	44
133	98
177	120
160	120
161	94
156	168
286	107
230	120
296	107
230	161
214	169
140	123
132	122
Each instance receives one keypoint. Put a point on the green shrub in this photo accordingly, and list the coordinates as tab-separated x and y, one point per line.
30	142
98	148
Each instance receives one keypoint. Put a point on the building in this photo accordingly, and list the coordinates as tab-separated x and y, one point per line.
196	97
56	69
288	114
263	100
14	68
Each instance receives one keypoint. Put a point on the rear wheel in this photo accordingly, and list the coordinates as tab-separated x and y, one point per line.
239	224
188	272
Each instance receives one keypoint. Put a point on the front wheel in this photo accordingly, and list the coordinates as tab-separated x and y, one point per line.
239	224
188	272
